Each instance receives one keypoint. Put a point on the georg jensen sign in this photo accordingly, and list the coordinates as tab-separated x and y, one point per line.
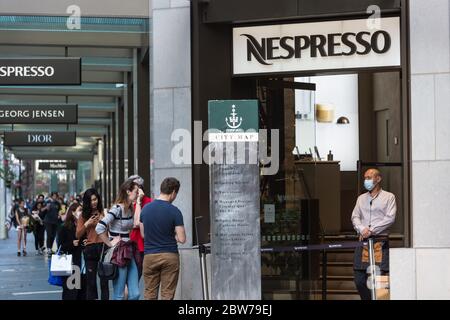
40	71
31	139
42	114
71	165
346	44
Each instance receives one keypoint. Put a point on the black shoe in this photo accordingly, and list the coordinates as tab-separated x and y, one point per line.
24	253
18	253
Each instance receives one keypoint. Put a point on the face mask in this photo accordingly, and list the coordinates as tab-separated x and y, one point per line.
368	184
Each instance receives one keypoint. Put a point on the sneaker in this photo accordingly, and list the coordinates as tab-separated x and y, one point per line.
24	253
18	253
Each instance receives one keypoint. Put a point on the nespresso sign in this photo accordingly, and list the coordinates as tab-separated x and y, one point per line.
39	138
40	71
42	114
332	45
71	165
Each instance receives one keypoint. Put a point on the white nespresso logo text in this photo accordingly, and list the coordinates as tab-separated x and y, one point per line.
266	50
26	71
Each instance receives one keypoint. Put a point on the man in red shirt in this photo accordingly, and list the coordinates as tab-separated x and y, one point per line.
141	201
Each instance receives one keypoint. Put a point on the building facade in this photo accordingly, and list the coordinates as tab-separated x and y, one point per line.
192	63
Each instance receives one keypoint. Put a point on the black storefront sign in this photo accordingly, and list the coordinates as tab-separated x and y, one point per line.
70	165
39	138
39	114
40	71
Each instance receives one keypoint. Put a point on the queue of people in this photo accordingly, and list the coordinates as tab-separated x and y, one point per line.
140	234
40	217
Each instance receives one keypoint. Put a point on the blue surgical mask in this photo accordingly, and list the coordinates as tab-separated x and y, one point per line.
368	184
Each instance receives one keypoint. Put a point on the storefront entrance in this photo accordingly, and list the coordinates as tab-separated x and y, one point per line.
337	91
331	129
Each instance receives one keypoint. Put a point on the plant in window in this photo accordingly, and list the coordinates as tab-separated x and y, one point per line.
7	175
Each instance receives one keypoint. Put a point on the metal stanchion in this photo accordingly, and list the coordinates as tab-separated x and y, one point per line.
203	273
203	250
373	274
324	275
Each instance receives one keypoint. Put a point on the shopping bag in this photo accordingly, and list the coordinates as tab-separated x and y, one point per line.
382	288
54	280
61	265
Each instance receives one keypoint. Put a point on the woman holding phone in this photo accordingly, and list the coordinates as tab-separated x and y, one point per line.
92	213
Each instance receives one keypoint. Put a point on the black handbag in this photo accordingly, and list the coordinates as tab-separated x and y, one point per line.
106	270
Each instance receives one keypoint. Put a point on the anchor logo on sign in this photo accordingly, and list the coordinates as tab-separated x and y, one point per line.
235	122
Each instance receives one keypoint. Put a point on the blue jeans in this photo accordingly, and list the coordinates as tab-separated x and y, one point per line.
127	276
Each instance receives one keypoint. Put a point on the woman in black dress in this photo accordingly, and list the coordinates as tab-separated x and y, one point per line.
39	230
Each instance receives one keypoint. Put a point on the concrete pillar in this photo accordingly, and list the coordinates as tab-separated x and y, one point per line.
171	109
104	173
143	121
53	182
121	141
421	272
79	174
114	151
69	183
130	125
3	209
135	107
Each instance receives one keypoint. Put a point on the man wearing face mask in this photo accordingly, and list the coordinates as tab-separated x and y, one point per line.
372	216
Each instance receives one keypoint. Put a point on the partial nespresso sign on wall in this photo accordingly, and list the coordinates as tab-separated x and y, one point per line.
42	114
39	138
69	165
40	71
315	46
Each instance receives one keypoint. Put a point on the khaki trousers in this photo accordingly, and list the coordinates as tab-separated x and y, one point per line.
160	270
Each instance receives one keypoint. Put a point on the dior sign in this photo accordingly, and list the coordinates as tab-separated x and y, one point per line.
31	139
331	45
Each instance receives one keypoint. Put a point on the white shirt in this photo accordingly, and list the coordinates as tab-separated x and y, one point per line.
377	213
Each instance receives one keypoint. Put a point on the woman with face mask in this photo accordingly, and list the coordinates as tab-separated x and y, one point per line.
119	221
